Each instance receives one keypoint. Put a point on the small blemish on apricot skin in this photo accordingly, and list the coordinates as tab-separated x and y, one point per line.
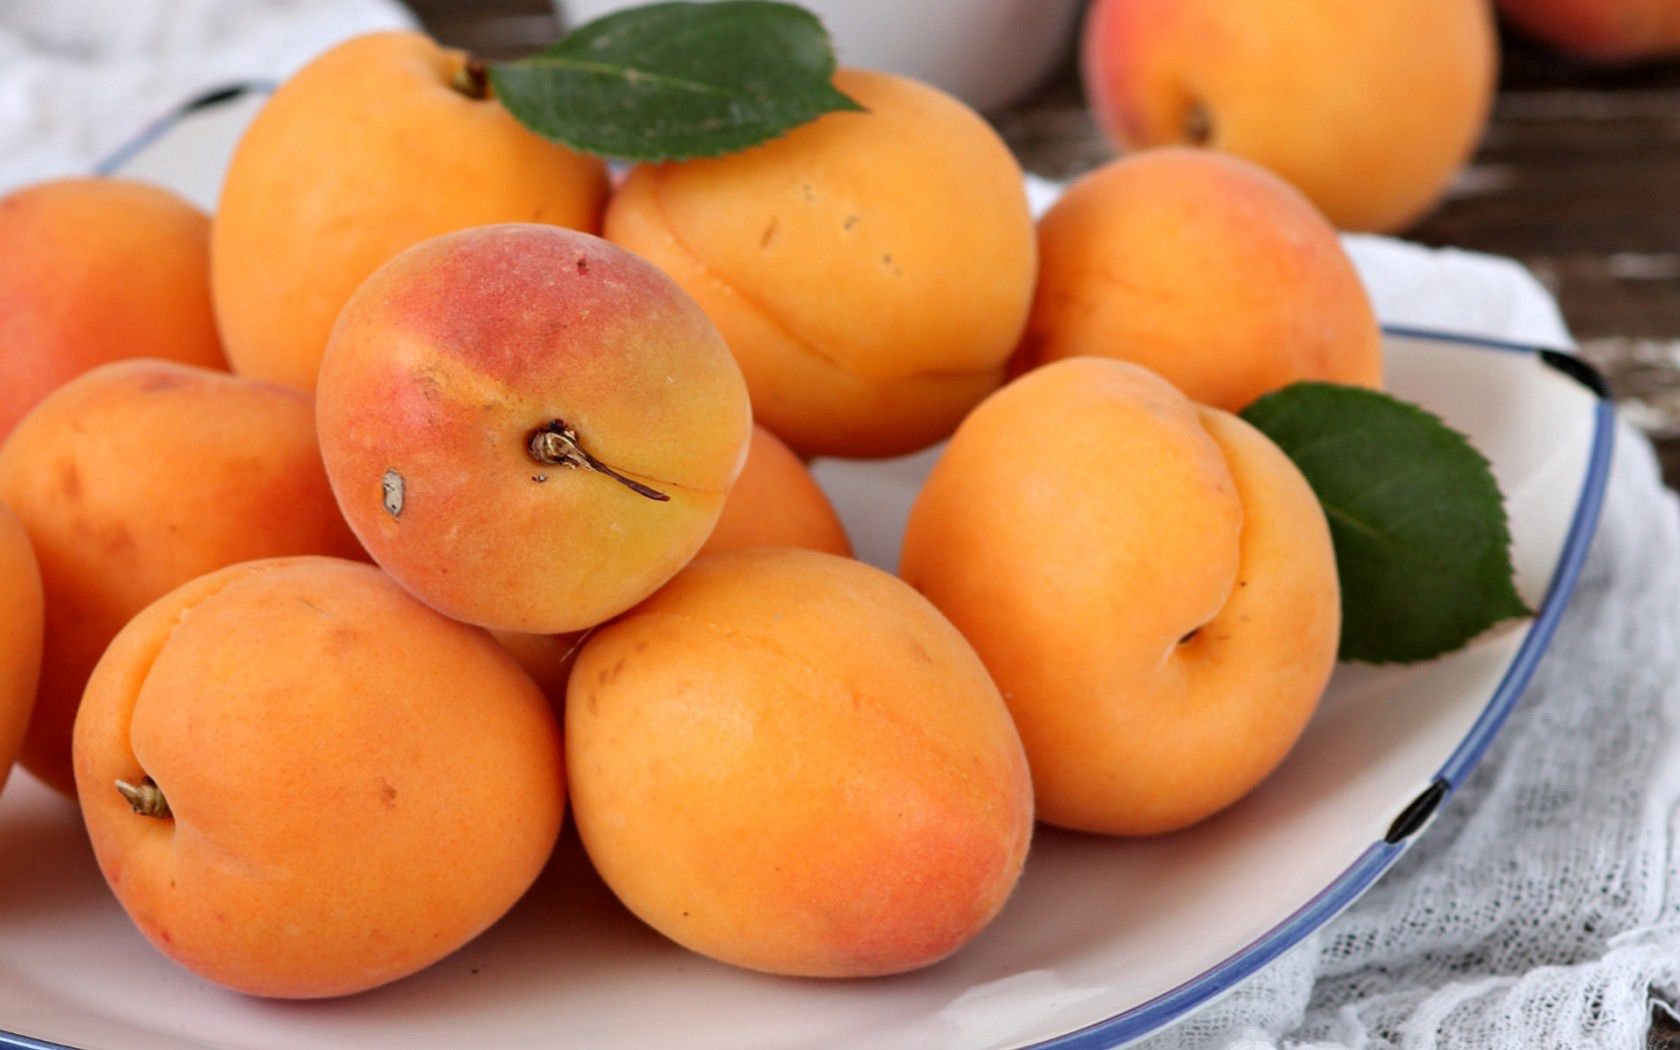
159	383
583	267
393	493
617	669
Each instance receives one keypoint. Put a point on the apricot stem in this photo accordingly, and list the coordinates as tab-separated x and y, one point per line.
556	444
146	798
472	79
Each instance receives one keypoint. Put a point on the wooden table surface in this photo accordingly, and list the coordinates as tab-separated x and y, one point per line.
1578	177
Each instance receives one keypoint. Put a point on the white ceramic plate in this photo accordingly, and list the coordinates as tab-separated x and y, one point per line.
1105	941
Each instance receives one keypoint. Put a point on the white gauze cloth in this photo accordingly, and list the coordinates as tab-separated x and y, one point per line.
80	77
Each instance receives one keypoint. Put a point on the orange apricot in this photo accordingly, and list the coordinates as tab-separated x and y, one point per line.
138	477
96	270
301	782
870	271
789	761
382	142
1611	31
20	636
528	427
776	503
1369	108
1205	269
547	658
1151	584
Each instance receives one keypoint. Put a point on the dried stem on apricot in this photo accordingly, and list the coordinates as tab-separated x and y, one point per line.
145	798
472	79
556	444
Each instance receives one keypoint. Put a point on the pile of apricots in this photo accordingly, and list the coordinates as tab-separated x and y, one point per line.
459	484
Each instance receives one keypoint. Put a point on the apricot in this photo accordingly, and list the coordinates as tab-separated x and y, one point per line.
529	428
96	270
20	636
776	503
870	271
301	782
789	761
381	143
1601	30
1369	108
138	477
1151	584
1206	269
547	658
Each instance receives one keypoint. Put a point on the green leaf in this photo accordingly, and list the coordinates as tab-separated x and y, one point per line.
1422	543
673	81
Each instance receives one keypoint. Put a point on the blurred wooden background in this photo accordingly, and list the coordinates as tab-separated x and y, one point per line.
1578	176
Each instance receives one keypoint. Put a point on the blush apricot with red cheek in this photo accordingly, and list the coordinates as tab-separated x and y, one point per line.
528	427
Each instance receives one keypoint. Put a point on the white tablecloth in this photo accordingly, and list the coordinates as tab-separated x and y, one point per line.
79	77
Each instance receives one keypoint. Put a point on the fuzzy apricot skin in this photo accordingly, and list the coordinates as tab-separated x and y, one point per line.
547	658
96	270
364	152
1205	269
790	762
358	786
138	477
870	271
1369	108
777	503
20	636
448	360
1151	584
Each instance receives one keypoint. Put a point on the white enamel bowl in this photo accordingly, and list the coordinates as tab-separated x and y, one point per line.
1105	940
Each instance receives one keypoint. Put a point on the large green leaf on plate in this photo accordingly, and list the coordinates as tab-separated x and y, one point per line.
1423	547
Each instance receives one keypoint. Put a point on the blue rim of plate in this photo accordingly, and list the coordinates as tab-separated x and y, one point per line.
1157	1013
